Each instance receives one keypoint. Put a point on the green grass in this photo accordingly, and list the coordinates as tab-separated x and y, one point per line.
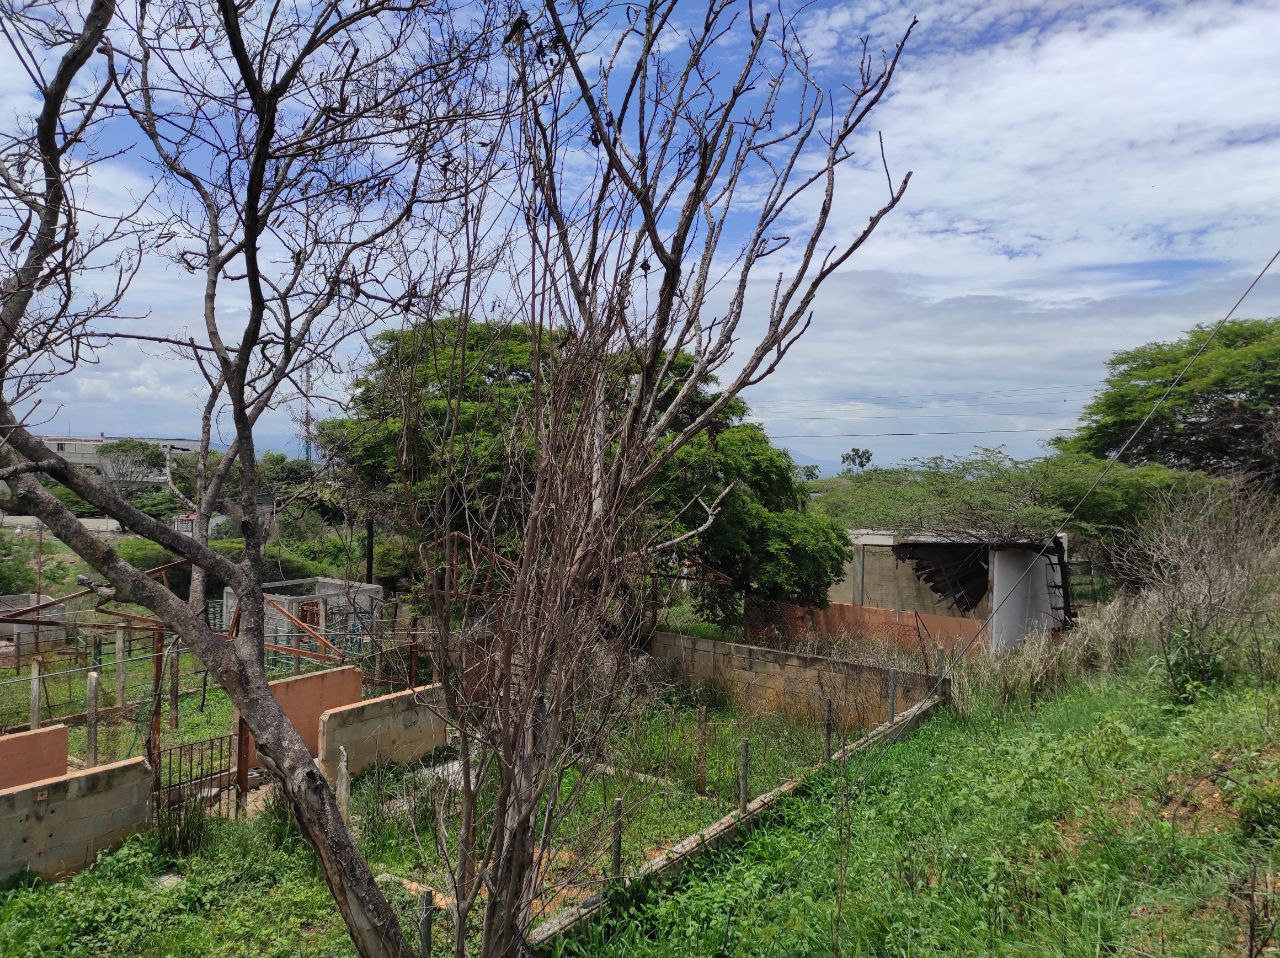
256	891
1064	830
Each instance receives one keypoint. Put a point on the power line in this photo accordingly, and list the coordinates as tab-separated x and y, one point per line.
917	395
942	432
940	415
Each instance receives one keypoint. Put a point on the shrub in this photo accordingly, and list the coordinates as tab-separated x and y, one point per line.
1258	806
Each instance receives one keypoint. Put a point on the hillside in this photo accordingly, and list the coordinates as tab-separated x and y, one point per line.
1102	822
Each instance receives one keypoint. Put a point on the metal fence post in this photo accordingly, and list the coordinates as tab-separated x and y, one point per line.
424	923
91	720
743	772
893	694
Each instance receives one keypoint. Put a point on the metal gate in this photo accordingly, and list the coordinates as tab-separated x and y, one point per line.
203	769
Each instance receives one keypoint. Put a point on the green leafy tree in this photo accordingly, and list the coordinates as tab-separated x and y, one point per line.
855	460
127	462
991	492
17	576
1222	416
762	537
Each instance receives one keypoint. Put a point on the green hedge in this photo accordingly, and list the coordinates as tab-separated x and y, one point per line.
281	562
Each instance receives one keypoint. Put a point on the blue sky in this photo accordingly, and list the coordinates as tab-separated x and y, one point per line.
1087	177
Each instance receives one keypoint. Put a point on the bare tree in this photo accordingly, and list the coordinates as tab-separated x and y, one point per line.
295	147
315	160
676	191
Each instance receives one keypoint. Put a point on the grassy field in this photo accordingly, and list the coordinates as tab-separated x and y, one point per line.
1104	822
255	890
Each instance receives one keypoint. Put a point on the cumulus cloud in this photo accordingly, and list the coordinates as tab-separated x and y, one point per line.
1087	176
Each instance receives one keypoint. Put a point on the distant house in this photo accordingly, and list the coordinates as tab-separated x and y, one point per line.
83	450
963	590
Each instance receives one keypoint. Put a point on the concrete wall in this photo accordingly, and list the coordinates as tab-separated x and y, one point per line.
769	680
399	727
32	756
304	698
52	634
1023	597
903	628
57	825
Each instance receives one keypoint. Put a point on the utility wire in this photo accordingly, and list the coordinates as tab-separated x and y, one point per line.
941	432
1113	460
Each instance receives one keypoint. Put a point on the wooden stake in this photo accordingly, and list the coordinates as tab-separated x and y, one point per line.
174	688
35	693
829	729
893	693
701	784
344	786
91	720
120	668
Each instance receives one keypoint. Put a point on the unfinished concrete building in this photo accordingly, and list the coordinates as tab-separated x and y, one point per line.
939	589
344	612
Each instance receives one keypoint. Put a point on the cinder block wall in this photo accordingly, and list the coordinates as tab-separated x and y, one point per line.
769	680
32	756
58	825
399	727
907	629
304	698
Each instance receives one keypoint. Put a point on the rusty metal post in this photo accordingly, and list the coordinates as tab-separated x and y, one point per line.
893	694
744	791
242	766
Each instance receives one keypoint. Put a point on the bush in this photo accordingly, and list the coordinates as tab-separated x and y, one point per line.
282	563
1258	806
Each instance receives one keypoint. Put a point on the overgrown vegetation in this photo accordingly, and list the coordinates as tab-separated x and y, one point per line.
1110	827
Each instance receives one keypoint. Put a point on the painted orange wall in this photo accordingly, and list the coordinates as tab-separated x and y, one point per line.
32	756
305	697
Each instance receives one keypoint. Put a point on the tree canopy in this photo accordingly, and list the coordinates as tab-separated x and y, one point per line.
396	445
992	492
1222	416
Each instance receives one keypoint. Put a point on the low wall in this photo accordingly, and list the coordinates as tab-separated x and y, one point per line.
657	871
399	727
770	680
32	756
58	825
907	629
304	698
